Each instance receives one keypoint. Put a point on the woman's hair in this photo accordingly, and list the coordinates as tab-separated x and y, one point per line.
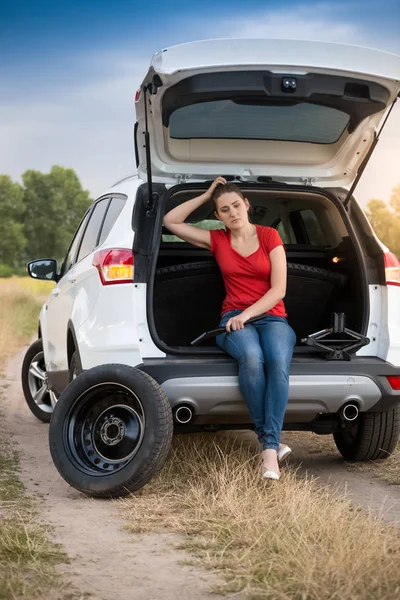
225	188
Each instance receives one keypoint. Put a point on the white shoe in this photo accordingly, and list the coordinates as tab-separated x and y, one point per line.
271	474
283	452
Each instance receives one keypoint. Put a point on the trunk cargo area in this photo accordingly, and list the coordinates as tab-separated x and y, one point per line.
324	269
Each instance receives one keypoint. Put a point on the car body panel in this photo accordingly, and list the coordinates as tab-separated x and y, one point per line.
308	394
109	335
389	339
326	164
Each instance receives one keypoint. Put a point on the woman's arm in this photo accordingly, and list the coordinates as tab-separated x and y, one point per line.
277	292
174	220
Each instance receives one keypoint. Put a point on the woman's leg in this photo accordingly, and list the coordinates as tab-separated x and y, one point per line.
277	341
244	345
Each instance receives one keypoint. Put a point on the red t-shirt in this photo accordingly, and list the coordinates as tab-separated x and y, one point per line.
246	279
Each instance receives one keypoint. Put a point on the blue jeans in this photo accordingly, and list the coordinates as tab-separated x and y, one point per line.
263	350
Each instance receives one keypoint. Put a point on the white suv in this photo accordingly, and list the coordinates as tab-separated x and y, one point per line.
293	123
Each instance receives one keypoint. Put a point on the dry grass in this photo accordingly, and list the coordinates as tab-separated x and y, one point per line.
387	469
280	541
272	540
21	299
27	559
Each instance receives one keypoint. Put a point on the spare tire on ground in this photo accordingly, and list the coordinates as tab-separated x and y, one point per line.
111	431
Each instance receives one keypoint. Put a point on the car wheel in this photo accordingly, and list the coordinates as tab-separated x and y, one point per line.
75	366
373	436
111	431
40	399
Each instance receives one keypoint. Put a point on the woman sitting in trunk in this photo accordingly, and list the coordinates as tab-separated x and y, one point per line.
253	264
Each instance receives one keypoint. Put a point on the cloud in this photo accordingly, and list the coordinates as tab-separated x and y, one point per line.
88	127
328	22
84	118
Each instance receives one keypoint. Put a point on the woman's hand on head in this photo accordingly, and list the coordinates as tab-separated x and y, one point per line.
219	181
236	323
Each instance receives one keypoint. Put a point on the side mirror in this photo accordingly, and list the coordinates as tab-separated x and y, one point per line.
45	268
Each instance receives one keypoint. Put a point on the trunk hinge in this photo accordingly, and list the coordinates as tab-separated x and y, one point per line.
308	180
182	178
152	198
366	159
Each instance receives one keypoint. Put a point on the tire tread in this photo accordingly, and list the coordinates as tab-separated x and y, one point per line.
159	450
376	437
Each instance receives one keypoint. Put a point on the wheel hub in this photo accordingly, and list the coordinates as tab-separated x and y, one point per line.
106	428
38	383
112	430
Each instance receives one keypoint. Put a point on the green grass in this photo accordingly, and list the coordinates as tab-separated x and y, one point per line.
11	487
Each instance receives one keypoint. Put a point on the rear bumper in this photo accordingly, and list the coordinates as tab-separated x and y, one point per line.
316	386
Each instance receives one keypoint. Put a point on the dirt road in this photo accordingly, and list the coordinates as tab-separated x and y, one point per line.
107	561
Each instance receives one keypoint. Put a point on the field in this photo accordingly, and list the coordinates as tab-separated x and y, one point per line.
286	540
27	557
21	299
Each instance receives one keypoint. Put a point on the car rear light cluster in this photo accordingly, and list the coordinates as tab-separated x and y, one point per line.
392	268
115	265
394	381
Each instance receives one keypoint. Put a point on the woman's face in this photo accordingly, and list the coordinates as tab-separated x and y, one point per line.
232	210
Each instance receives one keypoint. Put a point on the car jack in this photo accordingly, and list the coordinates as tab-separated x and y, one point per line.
336	348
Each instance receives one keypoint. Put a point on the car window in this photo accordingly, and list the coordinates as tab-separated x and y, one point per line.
71	255
315	234
242	119
205	224
281	230
112	214
91	235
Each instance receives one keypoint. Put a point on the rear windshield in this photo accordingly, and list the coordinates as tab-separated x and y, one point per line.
301	122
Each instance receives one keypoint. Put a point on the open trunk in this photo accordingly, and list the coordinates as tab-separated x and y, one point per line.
326	274
301	116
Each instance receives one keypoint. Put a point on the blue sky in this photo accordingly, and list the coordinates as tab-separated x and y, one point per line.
69	72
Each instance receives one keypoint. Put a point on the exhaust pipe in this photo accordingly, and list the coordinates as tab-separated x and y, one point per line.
349	412
183	415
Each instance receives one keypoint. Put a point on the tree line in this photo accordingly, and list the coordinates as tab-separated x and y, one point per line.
39	217
386	220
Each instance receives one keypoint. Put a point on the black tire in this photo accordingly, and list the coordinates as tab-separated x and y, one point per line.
75	366
34	383
111	431
374	436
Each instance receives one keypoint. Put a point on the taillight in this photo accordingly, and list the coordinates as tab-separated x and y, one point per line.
394	381
392	268
115	265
